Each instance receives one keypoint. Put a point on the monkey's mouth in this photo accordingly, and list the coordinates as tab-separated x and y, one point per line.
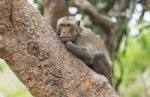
64	39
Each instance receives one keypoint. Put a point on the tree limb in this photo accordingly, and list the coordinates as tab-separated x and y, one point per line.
53	10
120	79
103	21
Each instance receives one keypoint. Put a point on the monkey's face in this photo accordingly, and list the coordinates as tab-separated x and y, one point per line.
68	28
67	31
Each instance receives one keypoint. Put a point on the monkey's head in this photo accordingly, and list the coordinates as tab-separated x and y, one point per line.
68	28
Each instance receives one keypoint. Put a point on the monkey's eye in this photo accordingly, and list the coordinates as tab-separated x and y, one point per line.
61	24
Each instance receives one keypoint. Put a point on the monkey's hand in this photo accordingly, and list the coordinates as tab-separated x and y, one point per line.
69	44
72	47
79	51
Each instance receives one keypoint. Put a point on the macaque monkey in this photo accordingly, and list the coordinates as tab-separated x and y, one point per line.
86	45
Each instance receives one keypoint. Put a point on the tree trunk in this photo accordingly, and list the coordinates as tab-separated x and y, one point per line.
54	9
40	60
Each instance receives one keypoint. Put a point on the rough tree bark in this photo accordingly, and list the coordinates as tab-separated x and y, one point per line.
54	9
39	59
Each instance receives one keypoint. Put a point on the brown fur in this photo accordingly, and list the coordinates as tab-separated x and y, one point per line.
86	45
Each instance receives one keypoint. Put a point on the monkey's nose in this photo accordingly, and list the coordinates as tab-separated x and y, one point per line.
63	34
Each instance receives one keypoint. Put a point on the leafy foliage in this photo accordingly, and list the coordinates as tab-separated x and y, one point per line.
136	62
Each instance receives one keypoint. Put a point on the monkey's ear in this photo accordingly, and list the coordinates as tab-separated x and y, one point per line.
78	23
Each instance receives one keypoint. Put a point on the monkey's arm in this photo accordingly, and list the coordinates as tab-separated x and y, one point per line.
82	52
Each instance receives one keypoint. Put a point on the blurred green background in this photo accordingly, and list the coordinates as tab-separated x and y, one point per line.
131	64
10	86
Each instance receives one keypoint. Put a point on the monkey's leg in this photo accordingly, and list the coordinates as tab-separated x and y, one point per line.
102	57
79	51
102	66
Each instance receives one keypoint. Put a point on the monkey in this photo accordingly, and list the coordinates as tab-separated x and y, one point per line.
86	45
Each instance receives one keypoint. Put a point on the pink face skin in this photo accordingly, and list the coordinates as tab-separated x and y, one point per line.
66	32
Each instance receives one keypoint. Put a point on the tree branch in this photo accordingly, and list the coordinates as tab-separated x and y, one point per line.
103	21
119	80
53	10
